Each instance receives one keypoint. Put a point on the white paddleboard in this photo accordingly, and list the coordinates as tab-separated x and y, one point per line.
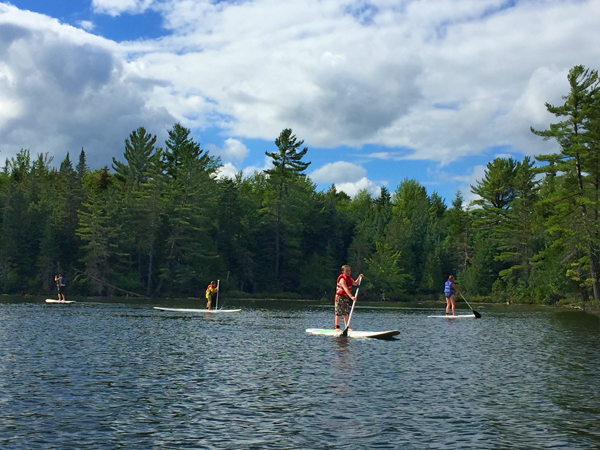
356	334
463	316
197	310
51	300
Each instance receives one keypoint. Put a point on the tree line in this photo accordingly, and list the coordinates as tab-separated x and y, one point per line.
162	223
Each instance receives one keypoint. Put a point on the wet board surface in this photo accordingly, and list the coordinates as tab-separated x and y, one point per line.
51	300
197	310
463	316
355	334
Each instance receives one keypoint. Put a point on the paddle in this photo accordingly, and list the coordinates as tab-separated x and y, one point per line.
477	315
345	332
218	283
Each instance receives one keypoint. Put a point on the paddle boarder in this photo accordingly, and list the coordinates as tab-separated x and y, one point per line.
61	286
449	290
211	290
343	295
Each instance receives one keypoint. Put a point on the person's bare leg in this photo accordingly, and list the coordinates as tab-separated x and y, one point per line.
346	322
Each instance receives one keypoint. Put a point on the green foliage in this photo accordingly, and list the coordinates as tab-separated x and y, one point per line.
139	148
384	273
573	204
99	232
182	154
457	246
287	160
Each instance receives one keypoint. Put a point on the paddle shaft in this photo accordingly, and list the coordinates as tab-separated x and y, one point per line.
345	332
477	315
218	284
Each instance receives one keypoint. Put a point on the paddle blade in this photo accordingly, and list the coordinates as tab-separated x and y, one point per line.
477	315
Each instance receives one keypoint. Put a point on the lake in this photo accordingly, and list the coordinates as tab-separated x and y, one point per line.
121	375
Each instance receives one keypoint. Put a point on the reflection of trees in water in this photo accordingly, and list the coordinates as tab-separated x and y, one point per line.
573	373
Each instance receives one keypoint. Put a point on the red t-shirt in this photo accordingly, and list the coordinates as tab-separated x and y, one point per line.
339	291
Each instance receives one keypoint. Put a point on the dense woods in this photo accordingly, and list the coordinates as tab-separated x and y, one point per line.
161	223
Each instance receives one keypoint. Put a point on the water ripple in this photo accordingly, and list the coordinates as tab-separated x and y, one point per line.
109	376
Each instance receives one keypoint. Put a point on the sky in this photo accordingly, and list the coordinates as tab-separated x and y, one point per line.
379	91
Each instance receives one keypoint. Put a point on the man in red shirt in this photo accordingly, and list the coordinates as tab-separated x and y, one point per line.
343	295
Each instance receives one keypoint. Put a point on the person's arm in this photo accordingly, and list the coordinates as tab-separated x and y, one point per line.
360	277
456	288
346	289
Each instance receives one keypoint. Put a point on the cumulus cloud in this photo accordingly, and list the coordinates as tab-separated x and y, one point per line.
86	25
228	170
68	89
117	7
424	77
233	150
363	184
279	64
338	172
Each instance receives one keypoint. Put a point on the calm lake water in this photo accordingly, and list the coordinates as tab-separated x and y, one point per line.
109	375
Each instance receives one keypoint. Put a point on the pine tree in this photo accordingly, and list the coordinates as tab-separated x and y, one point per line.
139	148
99	232
577	201
182	153
504	181
282	206
81	167
519	235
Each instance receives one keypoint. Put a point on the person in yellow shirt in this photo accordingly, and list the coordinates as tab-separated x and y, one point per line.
211	290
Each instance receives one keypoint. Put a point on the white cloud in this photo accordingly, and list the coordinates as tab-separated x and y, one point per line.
354	188
228	170
381	155
279	64
10	108
338	172
117	7
321	71
86	25
233	150
68	89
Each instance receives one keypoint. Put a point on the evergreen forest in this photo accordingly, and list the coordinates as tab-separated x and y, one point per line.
162	224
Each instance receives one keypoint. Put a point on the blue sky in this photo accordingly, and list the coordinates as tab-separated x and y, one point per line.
379	90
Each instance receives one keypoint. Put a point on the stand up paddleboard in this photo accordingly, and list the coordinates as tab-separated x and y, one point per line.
51	300
355	334
197	310
463	316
